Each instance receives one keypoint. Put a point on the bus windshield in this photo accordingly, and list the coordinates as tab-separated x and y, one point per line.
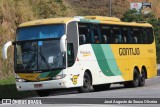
37	52
40	32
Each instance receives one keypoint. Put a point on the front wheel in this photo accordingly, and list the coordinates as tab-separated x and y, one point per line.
86	84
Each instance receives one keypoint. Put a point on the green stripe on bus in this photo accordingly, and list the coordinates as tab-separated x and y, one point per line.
89	20
54	73
106	60
111	59
50	74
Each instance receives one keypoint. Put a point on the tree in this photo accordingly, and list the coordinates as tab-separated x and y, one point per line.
134	16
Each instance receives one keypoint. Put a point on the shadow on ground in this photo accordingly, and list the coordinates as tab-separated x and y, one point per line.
10	91
158	72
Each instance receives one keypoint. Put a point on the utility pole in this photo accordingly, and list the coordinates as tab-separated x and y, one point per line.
110	8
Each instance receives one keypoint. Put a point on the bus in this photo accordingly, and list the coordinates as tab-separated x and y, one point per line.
82	52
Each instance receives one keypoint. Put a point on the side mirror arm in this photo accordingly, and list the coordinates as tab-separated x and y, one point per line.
5	48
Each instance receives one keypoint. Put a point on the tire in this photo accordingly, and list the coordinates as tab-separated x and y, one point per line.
101	87
86	84
43	93
142	78
134	82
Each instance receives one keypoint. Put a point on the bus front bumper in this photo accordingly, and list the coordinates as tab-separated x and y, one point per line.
42	85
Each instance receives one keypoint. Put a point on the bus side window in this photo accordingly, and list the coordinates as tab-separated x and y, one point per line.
70	54
150	36
125	35
84	34
136	35
104	39
82	39
106	33
96	35
144	34
117	37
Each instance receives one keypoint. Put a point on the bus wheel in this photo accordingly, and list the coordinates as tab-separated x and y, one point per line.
86	84
134	82
43	93
142	78
101	87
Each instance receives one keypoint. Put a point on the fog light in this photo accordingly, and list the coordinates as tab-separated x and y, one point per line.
18	87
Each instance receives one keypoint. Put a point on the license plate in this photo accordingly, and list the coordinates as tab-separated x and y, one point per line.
38	85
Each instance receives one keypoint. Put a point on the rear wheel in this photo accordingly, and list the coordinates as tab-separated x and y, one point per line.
135	81
142	78
86	84
43	93
101	87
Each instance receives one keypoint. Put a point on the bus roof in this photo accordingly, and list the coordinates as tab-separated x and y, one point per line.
85	19
61	20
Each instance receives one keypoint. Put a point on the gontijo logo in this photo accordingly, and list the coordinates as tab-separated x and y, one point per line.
129	51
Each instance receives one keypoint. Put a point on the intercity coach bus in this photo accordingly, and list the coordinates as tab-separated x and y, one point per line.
82	52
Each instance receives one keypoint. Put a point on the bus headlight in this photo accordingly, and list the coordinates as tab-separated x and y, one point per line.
59	77
20	80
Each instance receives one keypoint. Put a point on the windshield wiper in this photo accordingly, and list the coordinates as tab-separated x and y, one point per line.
43	58
30	64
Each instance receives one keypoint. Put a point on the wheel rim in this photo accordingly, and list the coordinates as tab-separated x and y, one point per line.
86	82
142	77
136	80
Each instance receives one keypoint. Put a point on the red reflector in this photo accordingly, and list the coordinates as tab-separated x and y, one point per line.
38	85
77	59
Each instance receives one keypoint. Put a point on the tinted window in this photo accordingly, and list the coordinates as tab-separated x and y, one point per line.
96	36
84	33
40	32
109	34
125	34
136	37
116	35
106	34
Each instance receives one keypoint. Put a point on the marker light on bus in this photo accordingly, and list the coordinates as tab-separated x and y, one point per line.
59	77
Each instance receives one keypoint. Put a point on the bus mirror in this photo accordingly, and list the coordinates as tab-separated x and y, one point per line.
5	48
62	44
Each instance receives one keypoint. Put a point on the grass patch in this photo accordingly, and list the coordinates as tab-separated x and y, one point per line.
8	90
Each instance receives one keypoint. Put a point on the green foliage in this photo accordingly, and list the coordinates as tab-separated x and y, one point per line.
132	15
15	12
8	89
